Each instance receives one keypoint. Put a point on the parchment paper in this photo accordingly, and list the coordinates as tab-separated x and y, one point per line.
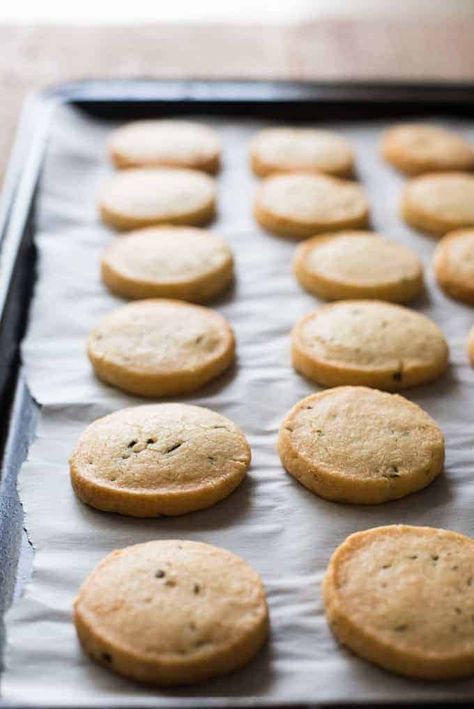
285	532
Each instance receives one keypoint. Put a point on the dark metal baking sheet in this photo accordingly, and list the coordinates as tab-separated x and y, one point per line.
124	100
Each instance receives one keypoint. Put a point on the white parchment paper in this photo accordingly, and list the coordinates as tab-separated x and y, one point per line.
285	532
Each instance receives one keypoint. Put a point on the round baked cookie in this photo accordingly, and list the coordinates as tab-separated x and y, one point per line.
438	203
415	148
470	346
368	342
168	262
359	445
358	264
138	198
454	265
299	205
161	347
162	142
172	612
402	597
162	459
301	150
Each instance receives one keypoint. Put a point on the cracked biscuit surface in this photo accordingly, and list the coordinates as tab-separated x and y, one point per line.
402	597
360	445
370	343
172	612
162	459
161	347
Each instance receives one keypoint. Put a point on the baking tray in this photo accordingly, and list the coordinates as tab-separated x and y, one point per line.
124	100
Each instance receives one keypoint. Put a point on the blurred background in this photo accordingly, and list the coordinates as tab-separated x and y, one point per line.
51	41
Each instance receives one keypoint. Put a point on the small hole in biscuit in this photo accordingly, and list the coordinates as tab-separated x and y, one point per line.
160	574
106	657
131	444
196	588
150	441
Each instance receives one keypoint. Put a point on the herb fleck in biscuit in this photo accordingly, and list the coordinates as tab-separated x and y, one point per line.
168	262
161	347
438	203
417	148
138	198
402	597
301	150
299	205
172	612
163	459
359	445
358	264
454	265
368	342
169	143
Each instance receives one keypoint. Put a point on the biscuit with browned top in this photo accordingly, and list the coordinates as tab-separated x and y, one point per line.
370	343
415	148
161	347
172	612
310	150
162	459
359	445
168	262
358	264
164	142
132	199
402	597
454	265
299	205
438	203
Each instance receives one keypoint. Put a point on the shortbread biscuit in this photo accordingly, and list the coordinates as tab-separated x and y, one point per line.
169	143
368	342
402	597
358	264
172	612
470	346
359	445
454	265
162	459
299	205
438	203
168	262
301	150
132	199
415	148
161	347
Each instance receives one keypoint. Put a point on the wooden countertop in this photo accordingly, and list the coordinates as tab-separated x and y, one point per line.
388	49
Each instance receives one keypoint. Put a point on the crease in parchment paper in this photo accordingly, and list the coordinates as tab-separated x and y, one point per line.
284	531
